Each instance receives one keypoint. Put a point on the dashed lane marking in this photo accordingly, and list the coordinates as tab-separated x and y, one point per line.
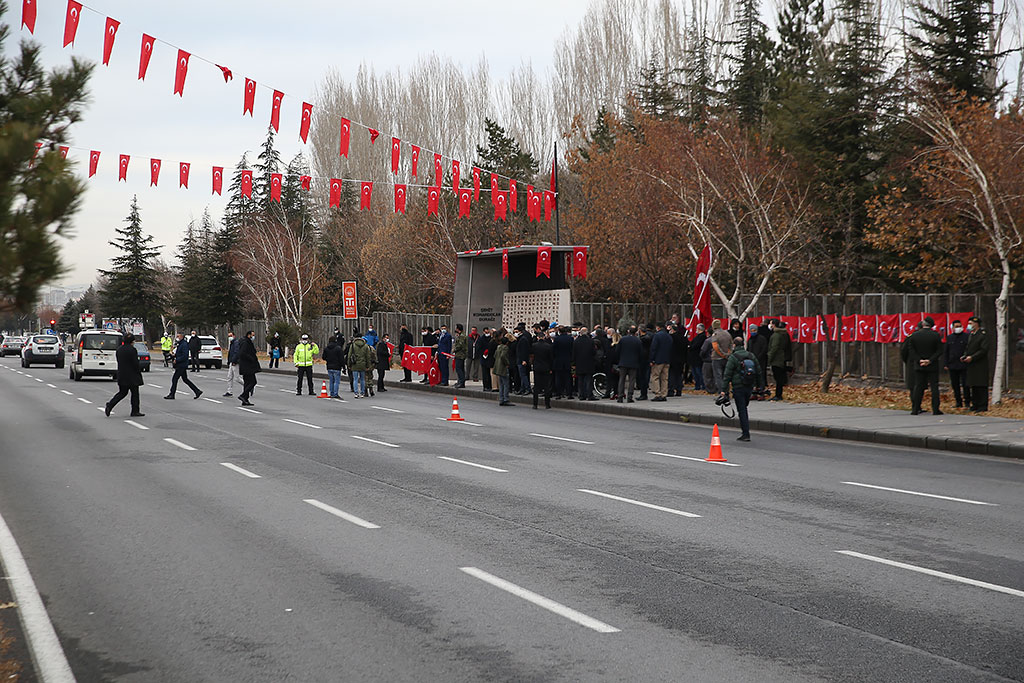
358	521
241	470
155	386
460	422
135	424
471	464
652	506
65	391
52	386
182	446
84	400
379	443
932	572
390	410
211	400
683	457
918	493
304	424
250	410
563	438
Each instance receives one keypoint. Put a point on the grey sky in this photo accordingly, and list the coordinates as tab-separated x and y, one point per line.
288	46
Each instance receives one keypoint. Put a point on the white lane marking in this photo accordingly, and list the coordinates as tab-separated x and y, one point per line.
562	438
304	424
287	391
241	470
65	391
38	380
249	410
471	464
639	502
182	446
460	422
47	655
390	410
211	400
918	493
135	424
52	386
340	513
379	443
84	400
539	600
155	386
222	379
683	457
28	375
932	572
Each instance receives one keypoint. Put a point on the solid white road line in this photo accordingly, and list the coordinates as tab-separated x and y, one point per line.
918	493
562	438
211	400
65	391
47	654
379	443
84	400
52	386
539	600
240	470
390	410
182	446
304	424
683	457
460	422
639	502
249	410
135	424
340	513
932	572
471	464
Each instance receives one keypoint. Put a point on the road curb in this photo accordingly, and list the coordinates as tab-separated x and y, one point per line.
952	444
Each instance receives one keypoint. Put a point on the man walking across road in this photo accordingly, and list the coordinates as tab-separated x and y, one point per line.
976	358
233	373
926	346
956	348
248	366
461	352
129	376
303	357
182	353
334	357
661	356
194	345
630	349
742	373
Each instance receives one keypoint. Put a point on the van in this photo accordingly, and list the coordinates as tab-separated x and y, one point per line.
95	354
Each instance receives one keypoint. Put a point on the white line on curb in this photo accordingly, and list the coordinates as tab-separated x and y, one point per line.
182	446
241	470
639	502
918	493
471	464
379	443
932	572
683	457
304	424
340	513
562	438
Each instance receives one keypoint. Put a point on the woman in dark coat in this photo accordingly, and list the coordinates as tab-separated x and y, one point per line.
248	366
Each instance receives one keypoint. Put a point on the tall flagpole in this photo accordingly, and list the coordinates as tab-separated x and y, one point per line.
557	200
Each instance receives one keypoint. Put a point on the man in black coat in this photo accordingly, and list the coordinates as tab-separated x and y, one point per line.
429	340
583	355
486	356
561	344
129	376
956	348
643	376
757	344
630	350
542	357
675	366
248	366
404	339
925	346
383	360
194	345
524	347
694	359
181	359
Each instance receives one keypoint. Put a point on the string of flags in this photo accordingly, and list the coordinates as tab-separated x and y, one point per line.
882	329
540	202
577	266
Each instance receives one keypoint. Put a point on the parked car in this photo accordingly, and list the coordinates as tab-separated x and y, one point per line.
143	355
42	348
94	354
210	354
12	346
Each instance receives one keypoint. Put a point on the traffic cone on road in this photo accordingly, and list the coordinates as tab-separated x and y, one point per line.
323	390
456	417
715	454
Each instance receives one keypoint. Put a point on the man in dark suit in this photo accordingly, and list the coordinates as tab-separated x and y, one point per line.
129	376
583	357
562	346
248	366
181	360
194	345
542	357
925	346
404	339
976	358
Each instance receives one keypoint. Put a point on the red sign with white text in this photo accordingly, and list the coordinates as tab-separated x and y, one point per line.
348	296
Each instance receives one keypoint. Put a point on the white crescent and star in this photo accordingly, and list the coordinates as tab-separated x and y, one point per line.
74	14
149	46
184	61
111	30
335	187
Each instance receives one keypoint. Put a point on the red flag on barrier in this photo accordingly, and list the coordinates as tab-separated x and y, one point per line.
94	160
543	262
71	22
848	328
108	39
941	323
908	323
218	179
808	329
275	187
144	55
335	195
365	193
792	326
346	131
183	168
180	71
249	98
247	184
887	330
307	118
865	328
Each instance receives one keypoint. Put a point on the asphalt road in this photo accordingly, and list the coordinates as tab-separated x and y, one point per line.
380	542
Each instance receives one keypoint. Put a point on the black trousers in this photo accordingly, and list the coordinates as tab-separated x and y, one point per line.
248	384
182	374
380	377
122	391
307	372
780	375
485	376
542	384
584	387
920	380
408	374
460	370
274	362
563	383
979	398
195	362
741	395
961	392
675	378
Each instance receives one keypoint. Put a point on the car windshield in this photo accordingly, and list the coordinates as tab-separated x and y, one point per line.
101	342
45	340
209	341
141	348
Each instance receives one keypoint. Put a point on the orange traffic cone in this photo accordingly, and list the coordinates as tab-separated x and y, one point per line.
456	417
323	390
715	454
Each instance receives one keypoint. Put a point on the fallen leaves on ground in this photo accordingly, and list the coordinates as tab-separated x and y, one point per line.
890	399
8	605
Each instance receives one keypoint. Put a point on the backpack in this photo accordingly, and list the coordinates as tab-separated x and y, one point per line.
748	371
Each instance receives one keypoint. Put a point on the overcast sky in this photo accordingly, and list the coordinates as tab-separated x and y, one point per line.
287	46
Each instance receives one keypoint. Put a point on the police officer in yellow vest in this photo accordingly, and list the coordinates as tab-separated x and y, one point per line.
303	358
166	345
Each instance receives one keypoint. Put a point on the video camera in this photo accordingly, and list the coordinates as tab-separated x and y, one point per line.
722	400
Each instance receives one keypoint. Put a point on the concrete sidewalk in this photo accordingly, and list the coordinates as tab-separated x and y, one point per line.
976	434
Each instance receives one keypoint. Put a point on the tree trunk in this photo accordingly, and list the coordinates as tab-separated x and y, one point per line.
832	348
1001	334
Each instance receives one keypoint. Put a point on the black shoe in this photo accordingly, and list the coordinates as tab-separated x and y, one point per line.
404	380
937	412
628	400
199	393
547	407
298	393
915	412
744	437
246	403
138	415
619	400
643	397
106	410
169	397
227	393
775	398
535	407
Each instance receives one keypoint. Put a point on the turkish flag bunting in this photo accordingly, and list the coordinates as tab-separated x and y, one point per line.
513	195
144	55
64	151
887	330
544	261
476	184
438	170
365	193
504	264
579	262
500	206
455	173
549	204
957	317
346	130
400	199
108	39
94	160
494	189
807	329
335	199
465	195
908	323
226	72
122	169
533	206
848	329
433	194
832	323
415	160
304	181
792	326
180	72
249	99
28	15
275	111
307	117
434	374
218	179
941	324
247	184
275	187
71	22
396	154
183	168
865	328
373	135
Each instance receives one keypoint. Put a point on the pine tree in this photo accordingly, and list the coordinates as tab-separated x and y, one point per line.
188	297
698	87
239	209
750	81
221	293
504	155
656	95
131	290
268	162
295	200
601	139
39	198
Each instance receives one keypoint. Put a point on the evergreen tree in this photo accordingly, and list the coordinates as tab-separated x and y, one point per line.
239	208
656	93
698	86
131	290
222	290
601	139
504	155
189	306
295	200
268	162
750	82
39	195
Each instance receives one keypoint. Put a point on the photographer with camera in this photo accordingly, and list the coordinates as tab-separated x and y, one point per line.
743	374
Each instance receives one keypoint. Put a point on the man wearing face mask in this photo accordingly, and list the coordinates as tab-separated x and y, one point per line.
483	352
956	346
444	354
276	350
461	351
976	358
524	347
233	374
248	366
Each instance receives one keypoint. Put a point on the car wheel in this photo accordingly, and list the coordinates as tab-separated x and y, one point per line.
60	364
218	365
75	376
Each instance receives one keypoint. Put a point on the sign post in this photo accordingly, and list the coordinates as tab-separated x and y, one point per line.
349	301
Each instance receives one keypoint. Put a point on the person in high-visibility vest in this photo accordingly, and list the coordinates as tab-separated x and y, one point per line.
166	345
303	357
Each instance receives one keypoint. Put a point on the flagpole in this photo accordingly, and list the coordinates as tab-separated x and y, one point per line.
557	231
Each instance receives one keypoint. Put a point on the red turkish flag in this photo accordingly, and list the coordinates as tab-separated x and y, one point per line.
218	179
226	72
434	373
275	187
415	160
865	328
28	15
396	154
465	196
544	261
958	317
122	169
888	329
808	332
144	55
533	207
848	329
908	324
433	195
304	181
307	117
513	195
71	22
108	39
365	192
247	184
554	181
400	191
941	324
335	199
275	111
549	204
407	358
64	151
455	173
494	189
249	99
500	206
94	160
373	134
832	322
792	326
183	168
180	72
476	184
438	171
701	291
504	264
346	130
579	262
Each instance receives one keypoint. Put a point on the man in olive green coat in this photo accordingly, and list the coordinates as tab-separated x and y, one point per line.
924	348
976	358
461	352
780	355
